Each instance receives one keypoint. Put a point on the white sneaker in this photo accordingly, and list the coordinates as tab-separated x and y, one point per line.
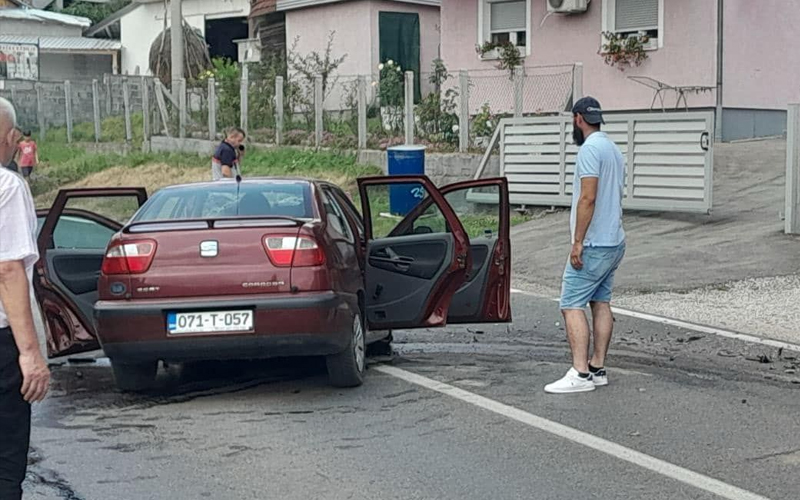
600	377
571	382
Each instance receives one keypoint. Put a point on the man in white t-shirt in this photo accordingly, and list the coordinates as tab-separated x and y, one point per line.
24	376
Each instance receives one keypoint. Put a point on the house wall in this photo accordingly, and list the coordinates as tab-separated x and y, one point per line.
687	57
141	26
60	67
760	61
18	27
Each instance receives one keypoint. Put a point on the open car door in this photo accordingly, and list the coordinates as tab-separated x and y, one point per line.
446	260
73	237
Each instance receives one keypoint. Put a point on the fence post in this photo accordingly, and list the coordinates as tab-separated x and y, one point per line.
362	112
146	128
577	82
519	88
244	97
68	107
162	107
96	109
107	83
40	113
318	98
792	216
212	109
182	108
278	110
463	112
409	120
126	103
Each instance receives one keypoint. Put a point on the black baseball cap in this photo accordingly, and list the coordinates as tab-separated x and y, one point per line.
589	108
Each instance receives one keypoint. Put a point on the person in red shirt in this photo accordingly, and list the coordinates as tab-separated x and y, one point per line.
27	154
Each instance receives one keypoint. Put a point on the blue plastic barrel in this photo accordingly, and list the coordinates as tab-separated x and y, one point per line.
405	160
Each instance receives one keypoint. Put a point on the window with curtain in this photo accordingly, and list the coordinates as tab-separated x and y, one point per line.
505	21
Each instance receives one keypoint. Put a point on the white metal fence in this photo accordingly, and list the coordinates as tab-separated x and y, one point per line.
669	159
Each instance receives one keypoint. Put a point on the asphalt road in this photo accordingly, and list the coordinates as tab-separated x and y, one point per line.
457	413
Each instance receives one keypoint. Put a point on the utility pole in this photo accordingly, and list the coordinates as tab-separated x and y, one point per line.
177	42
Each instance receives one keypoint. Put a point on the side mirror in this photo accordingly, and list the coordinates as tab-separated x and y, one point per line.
423	230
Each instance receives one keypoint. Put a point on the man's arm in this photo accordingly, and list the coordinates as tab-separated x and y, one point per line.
15	297
227	171
587	173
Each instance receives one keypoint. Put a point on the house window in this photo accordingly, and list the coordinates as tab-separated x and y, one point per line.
636	18
502	21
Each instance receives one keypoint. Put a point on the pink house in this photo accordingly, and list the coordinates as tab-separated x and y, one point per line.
734	56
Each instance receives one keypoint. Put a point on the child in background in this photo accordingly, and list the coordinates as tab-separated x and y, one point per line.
27	154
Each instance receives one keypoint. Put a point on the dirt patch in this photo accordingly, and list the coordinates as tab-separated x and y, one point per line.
152	176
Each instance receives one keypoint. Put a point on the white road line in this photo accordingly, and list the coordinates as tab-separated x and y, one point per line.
653	464
686	325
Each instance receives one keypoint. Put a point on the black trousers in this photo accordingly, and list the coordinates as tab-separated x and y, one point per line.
15	421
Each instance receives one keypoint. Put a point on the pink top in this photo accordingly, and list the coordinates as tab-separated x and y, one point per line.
27	154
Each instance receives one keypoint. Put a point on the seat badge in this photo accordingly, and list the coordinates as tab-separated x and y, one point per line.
209	248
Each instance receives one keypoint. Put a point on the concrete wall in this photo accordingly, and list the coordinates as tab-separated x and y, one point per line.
141	26
738	124
760	57
687	57
18	27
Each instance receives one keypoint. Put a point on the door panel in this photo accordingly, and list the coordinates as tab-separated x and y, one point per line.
72	249
468	300
402	274
410	278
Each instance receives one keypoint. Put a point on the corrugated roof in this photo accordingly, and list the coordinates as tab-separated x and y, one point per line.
28	14
65	43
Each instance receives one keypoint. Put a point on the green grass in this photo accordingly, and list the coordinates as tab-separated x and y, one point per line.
112	129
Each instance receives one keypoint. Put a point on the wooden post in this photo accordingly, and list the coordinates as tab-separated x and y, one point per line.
68	107
126	103
162	107
463	111
362	112
107	84
96	109
212	109
318	103
181	89
409	118
792	216
519	86
577	82
244	97
278	110
145	111
40	113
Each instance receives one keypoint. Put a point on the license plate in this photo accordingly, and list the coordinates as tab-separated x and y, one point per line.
209	322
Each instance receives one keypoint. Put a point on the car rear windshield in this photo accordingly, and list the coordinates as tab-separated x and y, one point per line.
226	199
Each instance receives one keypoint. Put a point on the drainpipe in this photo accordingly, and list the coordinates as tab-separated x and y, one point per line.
720	67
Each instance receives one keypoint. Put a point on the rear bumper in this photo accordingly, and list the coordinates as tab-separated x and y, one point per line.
309	324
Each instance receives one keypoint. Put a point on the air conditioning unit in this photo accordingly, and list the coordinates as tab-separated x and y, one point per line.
567	6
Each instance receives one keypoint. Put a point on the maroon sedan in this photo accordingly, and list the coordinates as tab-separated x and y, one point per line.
266	268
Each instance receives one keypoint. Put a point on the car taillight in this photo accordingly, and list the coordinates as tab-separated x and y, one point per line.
132	257
297	251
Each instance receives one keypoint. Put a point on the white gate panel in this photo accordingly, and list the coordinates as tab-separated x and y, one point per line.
669	159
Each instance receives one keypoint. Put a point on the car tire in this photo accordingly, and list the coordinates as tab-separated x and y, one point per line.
383	347
346	369
134	377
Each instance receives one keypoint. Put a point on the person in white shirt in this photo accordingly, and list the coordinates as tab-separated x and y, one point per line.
24	376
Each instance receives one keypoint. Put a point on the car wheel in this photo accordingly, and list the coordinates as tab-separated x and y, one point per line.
383	347
133	377
346	369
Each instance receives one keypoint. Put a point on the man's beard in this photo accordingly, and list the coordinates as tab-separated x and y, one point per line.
577	136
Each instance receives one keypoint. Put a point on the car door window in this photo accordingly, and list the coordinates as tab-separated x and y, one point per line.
79	232
351	211
387	214
335	215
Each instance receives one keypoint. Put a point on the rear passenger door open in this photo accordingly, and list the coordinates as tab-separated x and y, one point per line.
436	264
72	244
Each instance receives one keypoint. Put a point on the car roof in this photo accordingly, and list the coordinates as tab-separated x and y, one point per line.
248	181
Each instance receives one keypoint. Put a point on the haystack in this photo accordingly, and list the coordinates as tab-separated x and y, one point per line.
195	55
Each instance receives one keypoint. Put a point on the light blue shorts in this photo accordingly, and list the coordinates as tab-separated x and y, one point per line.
593	282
